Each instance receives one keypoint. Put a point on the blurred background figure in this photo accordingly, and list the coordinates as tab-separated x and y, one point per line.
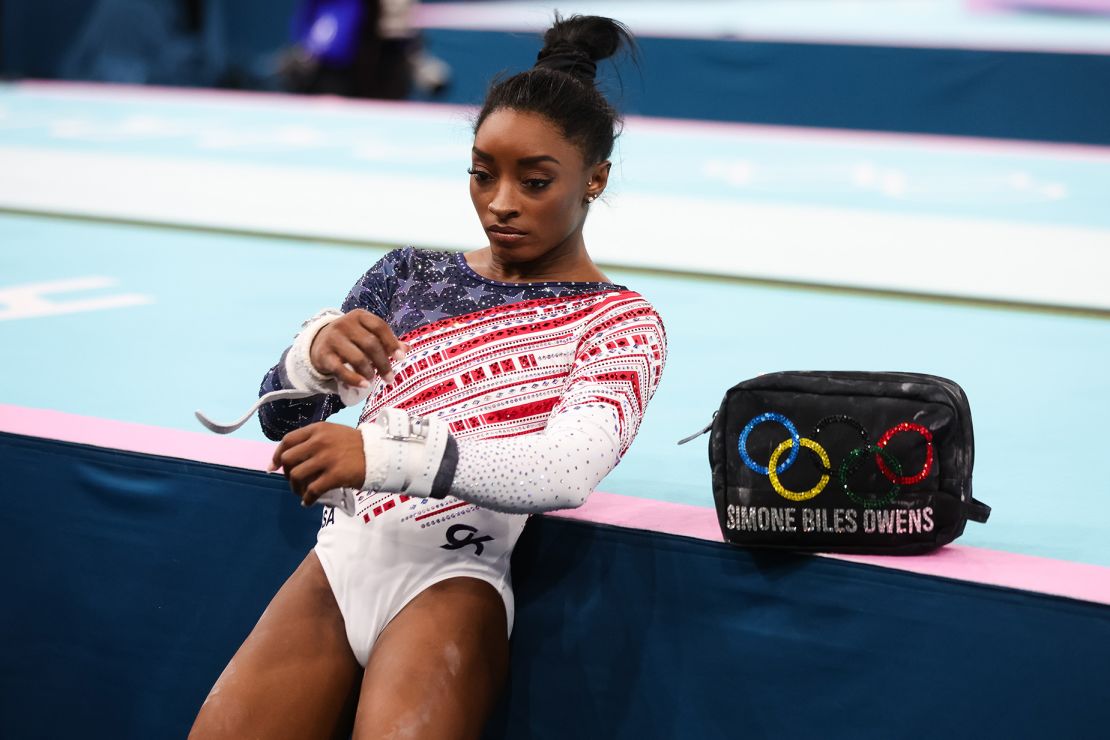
358	48
354	48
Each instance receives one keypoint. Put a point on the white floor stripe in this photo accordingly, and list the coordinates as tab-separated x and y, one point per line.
27	301
997	260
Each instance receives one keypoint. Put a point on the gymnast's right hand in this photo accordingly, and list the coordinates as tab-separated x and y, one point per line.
356	348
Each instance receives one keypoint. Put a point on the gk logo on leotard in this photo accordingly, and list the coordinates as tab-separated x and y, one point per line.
455	541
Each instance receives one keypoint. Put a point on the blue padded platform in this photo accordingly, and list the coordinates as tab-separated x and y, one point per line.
147	572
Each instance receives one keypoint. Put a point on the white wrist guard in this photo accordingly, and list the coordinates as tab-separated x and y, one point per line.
301	373
408	454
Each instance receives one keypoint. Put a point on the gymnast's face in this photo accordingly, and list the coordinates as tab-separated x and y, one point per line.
529	186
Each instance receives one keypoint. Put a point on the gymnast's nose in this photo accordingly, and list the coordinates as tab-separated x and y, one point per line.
503	204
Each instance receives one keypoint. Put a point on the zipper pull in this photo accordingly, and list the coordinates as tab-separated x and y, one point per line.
697	434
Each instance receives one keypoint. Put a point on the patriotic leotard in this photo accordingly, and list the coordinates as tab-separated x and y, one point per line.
543	386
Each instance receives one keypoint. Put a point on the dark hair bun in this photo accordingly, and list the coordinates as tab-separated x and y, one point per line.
561	84
574	45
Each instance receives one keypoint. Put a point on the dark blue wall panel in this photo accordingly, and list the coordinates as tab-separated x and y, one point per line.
137	578
1004	94
132	579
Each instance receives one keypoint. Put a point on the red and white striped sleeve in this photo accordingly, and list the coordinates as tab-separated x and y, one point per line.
617	368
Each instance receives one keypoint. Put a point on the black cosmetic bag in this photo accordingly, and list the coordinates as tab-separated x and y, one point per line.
853	462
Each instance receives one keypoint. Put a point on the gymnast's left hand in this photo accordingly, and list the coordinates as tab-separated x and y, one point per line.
320	457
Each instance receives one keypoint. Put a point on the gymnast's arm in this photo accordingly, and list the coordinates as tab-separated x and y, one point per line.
589	430
281	417
546	471
294	370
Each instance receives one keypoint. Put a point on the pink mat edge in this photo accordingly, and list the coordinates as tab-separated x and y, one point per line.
447	16
1081	581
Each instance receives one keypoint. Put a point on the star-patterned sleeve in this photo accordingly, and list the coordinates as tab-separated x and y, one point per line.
372	292
617	370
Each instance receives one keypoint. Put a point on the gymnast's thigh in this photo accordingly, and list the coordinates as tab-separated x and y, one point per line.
295	675
438	668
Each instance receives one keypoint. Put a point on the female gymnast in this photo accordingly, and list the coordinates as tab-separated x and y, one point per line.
502	382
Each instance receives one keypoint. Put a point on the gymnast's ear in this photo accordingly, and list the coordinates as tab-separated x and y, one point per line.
599	178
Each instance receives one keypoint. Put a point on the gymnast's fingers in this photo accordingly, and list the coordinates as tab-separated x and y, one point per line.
392	346
302	474
354	356
321	484
372	354
289	441
333	362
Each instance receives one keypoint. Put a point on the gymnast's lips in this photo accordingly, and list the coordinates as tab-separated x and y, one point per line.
505	234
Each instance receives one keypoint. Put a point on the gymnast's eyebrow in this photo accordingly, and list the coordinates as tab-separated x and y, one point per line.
537	159
523	160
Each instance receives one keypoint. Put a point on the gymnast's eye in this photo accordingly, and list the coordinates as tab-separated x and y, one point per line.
535	183
480	176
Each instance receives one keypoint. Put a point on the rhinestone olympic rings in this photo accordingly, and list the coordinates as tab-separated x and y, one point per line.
906	480
889	465
839	419
769	416
782	490
853	461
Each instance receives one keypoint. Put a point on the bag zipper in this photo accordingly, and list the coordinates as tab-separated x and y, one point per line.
697	434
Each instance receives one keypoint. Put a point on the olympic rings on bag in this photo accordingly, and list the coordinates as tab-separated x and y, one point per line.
839	419
906	480
780	489
888	465
769	416
852	461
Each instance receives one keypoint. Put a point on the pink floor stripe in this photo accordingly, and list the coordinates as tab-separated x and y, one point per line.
108	91
457	16
1098	7
122	435
1012	570
992	567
